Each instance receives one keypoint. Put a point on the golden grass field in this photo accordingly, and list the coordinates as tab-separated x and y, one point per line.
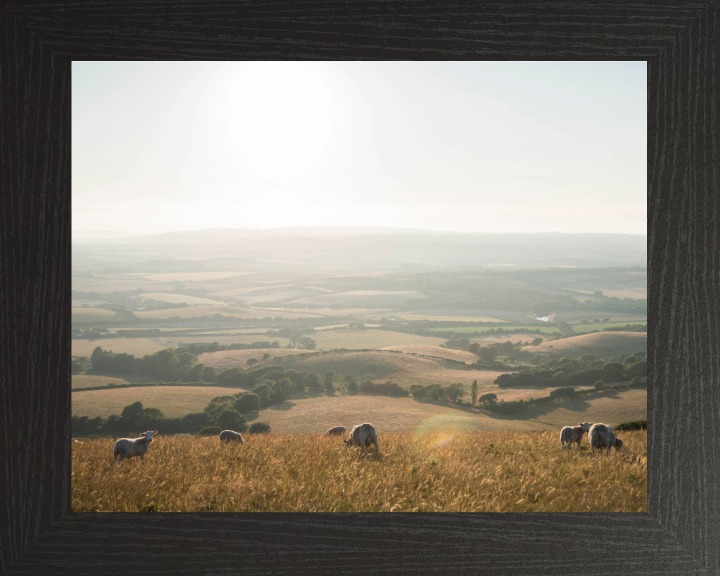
80	315
620	407
238	358
494	471
344	338
174	401
90	381
461	355
197	311
601	344
136	346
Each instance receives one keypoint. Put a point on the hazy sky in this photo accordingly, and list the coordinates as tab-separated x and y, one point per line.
463	146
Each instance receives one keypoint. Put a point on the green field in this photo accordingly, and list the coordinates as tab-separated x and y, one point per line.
582	328
472	329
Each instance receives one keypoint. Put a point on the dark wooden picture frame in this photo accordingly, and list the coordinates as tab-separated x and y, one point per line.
680	534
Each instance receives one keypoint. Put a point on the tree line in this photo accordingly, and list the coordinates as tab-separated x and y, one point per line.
583	371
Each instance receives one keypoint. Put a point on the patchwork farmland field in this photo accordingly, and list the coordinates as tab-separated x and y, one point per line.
329	339
181	299
601	344
199	311
238	358
401	368
135	346
461	355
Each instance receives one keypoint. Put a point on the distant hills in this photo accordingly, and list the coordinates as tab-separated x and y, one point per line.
367	247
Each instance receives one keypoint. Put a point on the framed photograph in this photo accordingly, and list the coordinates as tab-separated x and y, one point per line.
55	513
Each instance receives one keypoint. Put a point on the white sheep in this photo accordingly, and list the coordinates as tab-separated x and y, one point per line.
602	435
230	436
361	435
573	434
129	447
337	431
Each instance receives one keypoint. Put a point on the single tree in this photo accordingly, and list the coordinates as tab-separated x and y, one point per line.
252	361
266	357
329	375
232	420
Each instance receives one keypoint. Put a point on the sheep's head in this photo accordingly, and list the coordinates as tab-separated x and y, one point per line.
149	434
585	425
618	443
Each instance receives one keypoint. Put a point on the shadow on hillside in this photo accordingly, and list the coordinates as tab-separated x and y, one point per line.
574	405
249	416
282	406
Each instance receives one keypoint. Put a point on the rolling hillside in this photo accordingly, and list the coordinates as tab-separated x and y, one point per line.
602	344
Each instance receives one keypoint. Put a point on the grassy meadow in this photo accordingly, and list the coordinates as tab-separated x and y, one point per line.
414	472
174	401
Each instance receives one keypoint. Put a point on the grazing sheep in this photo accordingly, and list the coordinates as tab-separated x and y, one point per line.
76	441
230	436
127	447
337	431
602	435
573	434
361	435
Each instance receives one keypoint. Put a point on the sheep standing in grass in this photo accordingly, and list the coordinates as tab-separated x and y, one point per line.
337	431
230	436
602	435
573	434
129	447
361	435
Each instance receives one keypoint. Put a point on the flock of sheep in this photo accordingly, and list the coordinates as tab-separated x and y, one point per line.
600	435
363	435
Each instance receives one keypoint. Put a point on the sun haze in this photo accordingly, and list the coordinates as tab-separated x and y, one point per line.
451	146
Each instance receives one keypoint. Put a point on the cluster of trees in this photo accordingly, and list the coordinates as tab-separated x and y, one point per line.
163	365
198	348
583	371
634	425
180	364
136	418
427	328
627	328
449	393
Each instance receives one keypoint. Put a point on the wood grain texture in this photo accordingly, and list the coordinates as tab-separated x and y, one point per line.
681	531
